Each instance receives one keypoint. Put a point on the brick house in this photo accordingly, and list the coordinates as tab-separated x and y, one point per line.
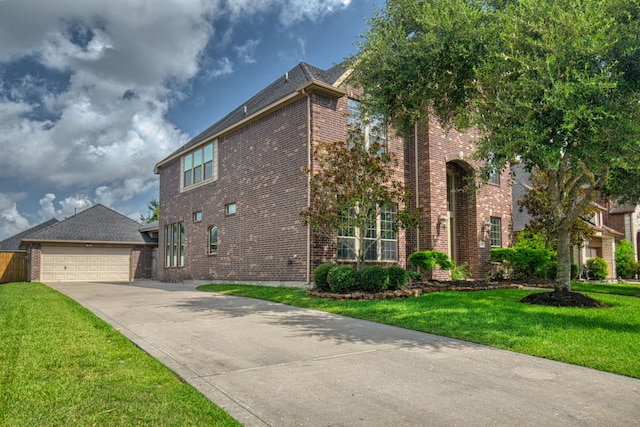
231	197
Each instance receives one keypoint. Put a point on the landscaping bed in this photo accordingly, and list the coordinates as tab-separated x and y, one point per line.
415	289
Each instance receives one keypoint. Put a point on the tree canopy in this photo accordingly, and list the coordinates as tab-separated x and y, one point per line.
553	84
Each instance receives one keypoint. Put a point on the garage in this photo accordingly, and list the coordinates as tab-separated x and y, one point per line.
85	263
94	245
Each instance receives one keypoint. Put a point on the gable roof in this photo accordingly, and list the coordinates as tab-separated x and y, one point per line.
13	243
294	83
97	224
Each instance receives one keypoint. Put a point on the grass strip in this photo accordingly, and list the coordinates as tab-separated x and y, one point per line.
60	365
606	339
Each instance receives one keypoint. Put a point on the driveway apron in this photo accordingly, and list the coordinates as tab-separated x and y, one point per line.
269	364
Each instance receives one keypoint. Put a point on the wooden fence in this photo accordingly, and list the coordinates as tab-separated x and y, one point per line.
13	267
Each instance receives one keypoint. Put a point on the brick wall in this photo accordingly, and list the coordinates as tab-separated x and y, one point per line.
439	153
259	170
142	262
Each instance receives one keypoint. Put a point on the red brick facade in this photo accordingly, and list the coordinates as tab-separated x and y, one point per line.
259	169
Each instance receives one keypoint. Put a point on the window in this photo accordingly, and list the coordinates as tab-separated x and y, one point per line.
495	232
197	216
372	127
174	245
213	240
200	165
230	209
380	239
494	177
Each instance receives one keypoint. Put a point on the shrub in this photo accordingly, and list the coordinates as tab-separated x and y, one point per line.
598	268
341	279
397	277
425	261
530	240
524	262
625	260
373	278
460	272
320	276
548	271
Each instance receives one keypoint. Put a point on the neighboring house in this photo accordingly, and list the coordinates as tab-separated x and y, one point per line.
602	244
230	198
97	244
13	243
626	219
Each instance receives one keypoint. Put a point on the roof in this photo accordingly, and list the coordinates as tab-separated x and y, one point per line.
13	243
96	224
293	82
622	209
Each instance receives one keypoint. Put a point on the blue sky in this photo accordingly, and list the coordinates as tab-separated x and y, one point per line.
94	93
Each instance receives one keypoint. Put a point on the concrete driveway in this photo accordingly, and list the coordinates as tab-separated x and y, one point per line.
272	365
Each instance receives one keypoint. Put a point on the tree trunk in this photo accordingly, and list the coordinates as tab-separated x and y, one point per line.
563	278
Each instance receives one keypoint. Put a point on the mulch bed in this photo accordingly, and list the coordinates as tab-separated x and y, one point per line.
415	289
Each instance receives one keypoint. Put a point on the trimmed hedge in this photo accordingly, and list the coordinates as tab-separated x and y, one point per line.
524	262
397	277
427	260
373	278
320	276
341	279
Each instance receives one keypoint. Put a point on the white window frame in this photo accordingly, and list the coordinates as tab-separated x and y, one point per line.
383	237
495	232
174	245
355	119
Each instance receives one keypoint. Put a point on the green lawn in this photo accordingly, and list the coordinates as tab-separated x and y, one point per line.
62	366
607	339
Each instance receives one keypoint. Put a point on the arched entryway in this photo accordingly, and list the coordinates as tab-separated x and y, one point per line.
461	212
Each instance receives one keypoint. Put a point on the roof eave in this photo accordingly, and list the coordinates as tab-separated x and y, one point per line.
83	242
313	86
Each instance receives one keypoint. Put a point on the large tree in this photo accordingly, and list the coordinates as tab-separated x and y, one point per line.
352	185
554	84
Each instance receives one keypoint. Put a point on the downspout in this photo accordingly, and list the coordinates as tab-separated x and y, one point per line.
417	181
309	186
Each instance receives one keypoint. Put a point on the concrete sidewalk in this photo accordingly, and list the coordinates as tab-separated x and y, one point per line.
273	365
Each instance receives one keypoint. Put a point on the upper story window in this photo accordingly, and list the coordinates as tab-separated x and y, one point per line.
373	128
197	216
200	165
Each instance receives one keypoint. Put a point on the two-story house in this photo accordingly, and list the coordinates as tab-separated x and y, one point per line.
230	198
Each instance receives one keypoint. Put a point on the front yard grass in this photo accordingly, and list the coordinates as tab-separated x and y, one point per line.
606	339
62	366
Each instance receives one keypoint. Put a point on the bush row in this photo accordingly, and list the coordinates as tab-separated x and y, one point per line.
342	279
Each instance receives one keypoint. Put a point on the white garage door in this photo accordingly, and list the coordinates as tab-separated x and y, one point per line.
84	264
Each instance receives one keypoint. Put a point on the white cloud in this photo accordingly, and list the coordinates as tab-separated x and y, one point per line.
247	51
223	66
66	207
96	130
11	221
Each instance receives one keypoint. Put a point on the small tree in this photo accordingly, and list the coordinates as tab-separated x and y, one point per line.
154	211
352	182
625	260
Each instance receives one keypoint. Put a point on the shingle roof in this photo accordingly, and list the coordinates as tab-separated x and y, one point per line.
288	84
13	243
96	224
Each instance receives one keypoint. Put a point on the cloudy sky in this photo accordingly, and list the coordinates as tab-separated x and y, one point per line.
94	93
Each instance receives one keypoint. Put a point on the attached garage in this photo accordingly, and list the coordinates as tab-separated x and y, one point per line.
85	264
95	245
